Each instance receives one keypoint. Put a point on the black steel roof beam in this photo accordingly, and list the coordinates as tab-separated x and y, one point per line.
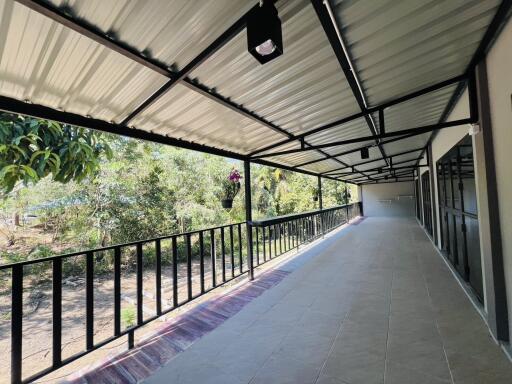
347	152
406	173
387	182
375	171
90	31
344	173
324	13
377	109
84	28
42	112
384	170
411	131
374	160
217	44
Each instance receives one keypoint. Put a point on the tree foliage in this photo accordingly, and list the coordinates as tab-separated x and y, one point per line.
120	190
31	149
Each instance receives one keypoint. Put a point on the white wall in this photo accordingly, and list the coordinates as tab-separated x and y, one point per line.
499	71
389	199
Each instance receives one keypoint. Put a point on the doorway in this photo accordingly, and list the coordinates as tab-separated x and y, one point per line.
458	211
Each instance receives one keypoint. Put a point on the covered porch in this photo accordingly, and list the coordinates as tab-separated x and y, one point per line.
394	98
374	302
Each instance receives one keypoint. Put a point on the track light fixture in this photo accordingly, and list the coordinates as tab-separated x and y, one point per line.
365	154
264	35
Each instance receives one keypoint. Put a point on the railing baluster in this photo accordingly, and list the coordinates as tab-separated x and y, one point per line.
213	258
140	298
269	242
117	291
189	267
158	277
263	241
257	246
57	312
201	261
232	249
174	246
289	235
240	259
292	235
275	240
16	323
250	250
89	300
223	249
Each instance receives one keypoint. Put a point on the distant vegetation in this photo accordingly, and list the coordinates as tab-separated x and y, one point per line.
65	188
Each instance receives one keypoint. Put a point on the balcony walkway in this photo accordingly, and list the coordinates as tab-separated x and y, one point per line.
372	303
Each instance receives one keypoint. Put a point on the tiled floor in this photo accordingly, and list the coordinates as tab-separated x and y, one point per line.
373	303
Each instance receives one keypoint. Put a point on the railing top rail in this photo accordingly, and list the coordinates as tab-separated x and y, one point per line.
114	246
295	216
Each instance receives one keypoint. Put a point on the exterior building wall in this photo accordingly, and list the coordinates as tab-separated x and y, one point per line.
499	71
389	199
499	64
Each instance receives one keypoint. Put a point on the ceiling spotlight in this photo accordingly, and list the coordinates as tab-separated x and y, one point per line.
365	154
264	35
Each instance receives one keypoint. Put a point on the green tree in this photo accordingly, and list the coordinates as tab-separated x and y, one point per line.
31	149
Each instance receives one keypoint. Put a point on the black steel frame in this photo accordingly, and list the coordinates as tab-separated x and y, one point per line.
228	259
111	42
215	248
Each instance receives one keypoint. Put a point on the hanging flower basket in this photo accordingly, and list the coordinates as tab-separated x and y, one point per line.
230	188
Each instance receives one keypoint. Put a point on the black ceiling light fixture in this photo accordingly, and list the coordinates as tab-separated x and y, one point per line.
365	154
264	35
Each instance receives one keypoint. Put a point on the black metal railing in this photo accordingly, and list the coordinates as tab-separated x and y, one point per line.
194	263
275	236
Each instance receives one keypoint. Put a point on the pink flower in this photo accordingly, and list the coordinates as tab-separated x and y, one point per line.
234	176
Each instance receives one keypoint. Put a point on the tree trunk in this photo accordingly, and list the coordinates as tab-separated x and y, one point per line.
16	219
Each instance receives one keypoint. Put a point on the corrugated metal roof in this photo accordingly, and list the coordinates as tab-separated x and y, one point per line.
185	114
172	31
300	90
401	46
418	141
420	111
350	130
46	63
396	46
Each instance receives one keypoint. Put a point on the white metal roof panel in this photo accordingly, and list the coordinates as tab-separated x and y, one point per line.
300	90
46	63
351	130
401	46
420	111
184	114
172	31
413	142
